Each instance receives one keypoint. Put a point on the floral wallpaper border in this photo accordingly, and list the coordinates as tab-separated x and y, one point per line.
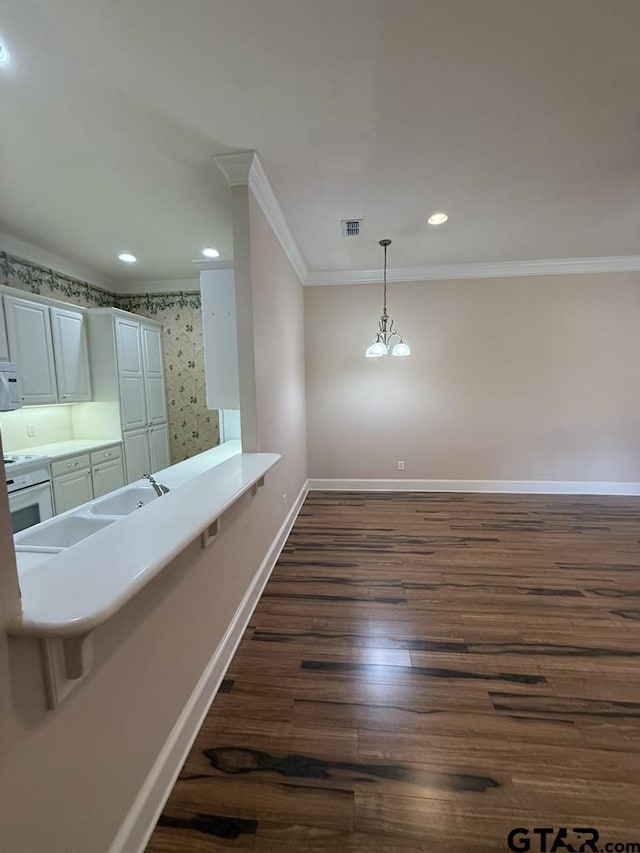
192	427
17	272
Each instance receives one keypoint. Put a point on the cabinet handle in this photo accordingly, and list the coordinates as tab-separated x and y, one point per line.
108	454
73	464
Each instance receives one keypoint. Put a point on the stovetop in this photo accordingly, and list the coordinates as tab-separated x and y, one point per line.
18	464
18	459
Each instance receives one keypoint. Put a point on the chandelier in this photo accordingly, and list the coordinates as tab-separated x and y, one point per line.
387	333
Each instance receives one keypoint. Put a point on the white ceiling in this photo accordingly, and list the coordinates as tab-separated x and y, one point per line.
519	118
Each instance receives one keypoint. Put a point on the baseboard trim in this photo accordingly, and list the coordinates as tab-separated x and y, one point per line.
533	487
135	831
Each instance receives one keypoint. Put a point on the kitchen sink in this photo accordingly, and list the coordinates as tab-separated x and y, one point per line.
61	532
125	501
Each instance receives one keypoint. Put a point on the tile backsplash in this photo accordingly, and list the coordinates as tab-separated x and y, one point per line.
192	427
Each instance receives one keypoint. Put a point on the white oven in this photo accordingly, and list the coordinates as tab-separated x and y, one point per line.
29	487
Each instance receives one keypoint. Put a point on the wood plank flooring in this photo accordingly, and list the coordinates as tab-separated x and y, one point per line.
425	672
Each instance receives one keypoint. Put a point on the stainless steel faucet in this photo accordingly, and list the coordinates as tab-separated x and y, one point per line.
158	488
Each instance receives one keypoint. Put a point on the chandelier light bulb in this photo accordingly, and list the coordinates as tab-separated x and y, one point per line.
401	350
376	350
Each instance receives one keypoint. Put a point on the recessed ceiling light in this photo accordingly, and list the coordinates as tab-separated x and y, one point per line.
437	218
127	257
210	252
4	55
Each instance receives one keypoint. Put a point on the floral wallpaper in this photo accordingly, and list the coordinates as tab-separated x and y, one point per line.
192	427
32	278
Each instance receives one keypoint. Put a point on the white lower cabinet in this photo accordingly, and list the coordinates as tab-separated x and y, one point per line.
137	454
159	447
71	490
146	451
107	471
107	478
79	479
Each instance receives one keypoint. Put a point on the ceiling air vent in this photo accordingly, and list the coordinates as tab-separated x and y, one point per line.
351	227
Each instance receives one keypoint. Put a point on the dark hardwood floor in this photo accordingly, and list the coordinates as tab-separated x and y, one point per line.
426	672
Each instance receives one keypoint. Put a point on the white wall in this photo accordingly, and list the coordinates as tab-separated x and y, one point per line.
509	379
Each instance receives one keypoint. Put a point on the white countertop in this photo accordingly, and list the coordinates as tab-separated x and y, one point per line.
61	449
186	470
71	593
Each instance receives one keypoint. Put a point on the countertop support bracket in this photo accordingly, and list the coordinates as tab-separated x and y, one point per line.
209	535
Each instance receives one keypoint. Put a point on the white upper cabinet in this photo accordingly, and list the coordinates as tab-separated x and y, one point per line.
48	342
71	355
128	344
219	330
4	343
154	375
127	367
130	373
152	350
31	347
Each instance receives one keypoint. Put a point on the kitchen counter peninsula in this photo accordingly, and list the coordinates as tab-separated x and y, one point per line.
69	594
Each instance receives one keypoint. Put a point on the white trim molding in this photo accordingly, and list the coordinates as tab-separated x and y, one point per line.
243	168
517	487
497	269
136	829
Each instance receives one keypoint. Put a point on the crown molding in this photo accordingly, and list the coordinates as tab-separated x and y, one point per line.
243	168
236	166
499	269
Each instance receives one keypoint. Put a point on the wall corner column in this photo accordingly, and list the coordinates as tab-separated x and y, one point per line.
236	167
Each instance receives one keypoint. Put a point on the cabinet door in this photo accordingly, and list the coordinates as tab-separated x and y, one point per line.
71	355
31	347
154	375
152	350
107	477
128	345
156	399
159	447
72	490
136	454
4	343
133	407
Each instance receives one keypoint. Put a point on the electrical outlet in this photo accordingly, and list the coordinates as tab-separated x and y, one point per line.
284	500
400	465
31	430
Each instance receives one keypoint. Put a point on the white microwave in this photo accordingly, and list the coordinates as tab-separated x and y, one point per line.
9	387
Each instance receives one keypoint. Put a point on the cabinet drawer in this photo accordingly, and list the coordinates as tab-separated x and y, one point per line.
72	463
107	454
